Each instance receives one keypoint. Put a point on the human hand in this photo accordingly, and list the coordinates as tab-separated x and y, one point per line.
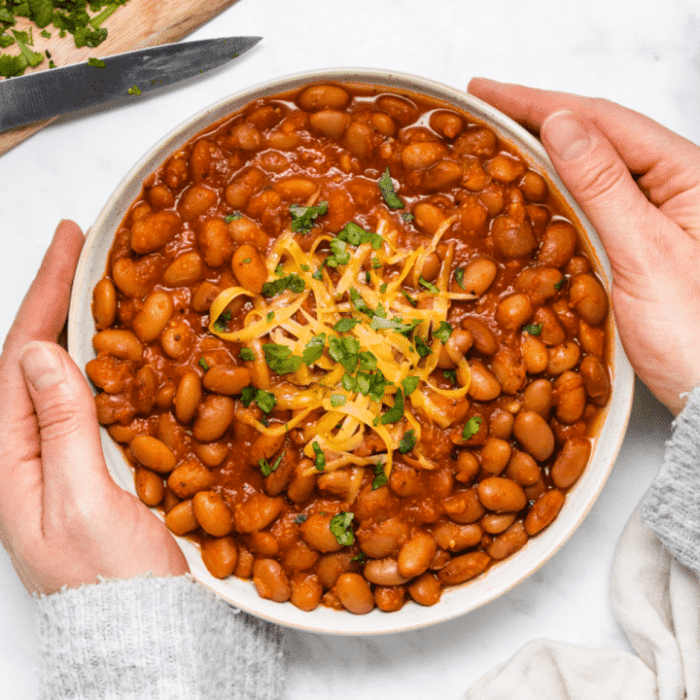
63	520
639	184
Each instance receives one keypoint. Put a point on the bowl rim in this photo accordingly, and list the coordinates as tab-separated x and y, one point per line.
502	576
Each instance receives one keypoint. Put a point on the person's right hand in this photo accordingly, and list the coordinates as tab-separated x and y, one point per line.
639	184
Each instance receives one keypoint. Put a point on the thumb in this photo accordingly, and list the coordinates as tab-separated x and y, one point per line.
600	182
71	453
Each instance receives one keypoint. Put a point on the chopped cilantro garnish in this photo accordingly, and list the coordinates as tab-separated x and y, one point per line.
265	400
247	355
32	58
338	400
203	364
450	374
376	263
459	277
280	359
368	361
533	328
383	287
560	283
303	217
443	332
346	324
422	348
410	384
408	442
428	285
341	527
318	274
411	300
407	216
359	303
340	254
394	414
233	217
349	383
320	461
266	468
95	62
345	350
380	477
388	192
46	34
313	349
393	324
247	261
361	558
221	322
134	90
471	427
293	282
270	317
355	235
301	518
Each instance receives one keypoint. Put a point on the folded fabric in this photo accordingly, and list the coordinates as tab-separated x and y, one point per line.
155	639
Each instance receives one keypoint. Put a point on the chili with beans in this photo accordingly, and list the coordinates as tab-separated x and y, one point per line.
352	345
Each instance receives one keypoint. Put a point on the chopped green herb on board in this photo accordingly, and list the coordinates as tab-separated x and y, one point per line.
134	90
96	63
82	19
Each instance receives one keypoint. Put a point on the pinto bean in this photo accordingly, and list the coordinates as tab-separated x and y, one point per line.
155	313
587	296
551	330
534	434
354	593
563	358
212	513
484	384
256	513
464	506
306	592
180	519
249	269
153	453
463	568
149	486
329	122
271	581
570	463
514	311
425	590
318	97
188	478
569	397
501	495
121	344
508	542
509	370
220	556
153	231
543	511
454	538
189	394
416	554
595	379
484	340
522	469
104	303
558	244
384	572
316	532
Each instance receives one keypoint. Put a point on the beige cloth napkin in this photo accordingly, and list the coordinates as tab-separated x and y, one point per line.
657	602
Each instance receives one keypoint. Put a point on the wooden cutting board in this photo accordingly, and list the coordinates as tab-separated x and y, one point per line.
136	25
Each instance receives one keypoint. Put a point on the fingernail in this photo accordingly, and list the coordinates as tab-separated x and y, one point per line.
42	365
564	133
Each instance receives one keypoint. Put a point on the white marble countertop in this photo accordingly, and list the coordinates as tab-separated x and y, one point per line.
647	58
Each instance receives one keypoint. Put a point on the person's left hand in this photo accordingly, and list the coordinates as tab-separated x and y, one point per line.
63	520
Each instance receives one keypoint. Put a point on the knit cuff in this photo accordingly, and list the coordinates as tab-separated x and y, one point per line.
671	507
154	639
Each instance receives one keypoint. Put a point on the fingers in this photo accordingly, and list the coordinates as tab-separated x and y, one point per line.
45	306
640	141
600	182
71	454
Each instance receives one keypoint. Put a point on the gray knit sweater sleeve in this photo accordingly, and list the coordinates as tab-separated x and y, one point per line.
671	507
155	639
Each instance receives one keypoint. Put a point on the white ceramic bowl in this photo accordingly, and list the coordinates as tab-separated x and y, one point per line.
455	601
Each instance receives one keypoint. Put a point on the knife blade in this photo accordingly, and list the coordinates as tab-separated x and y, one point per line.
30	98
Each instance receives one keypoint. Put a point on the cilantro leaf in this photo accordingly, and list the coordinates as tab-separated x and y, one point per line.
380	477
265	400
303	218
280	359
301	518
234	216
388	192
221	322
428	285
345	350
338	400
406	216
394	414
266	468
293	282
471	427
533	328
443	332
355	235
203	364
134	90
408	442
346	324
459	277
450	374
96	63
410	384
340	254
313	349
247	355
422	348
320	461
341	527
560	283
32	58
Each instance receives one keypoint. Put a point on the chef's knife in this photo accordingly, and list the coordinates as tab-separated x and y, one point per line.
29	98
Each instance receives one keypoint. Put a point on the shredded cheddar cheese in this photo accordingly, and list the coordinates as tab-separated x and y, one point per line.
355	385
